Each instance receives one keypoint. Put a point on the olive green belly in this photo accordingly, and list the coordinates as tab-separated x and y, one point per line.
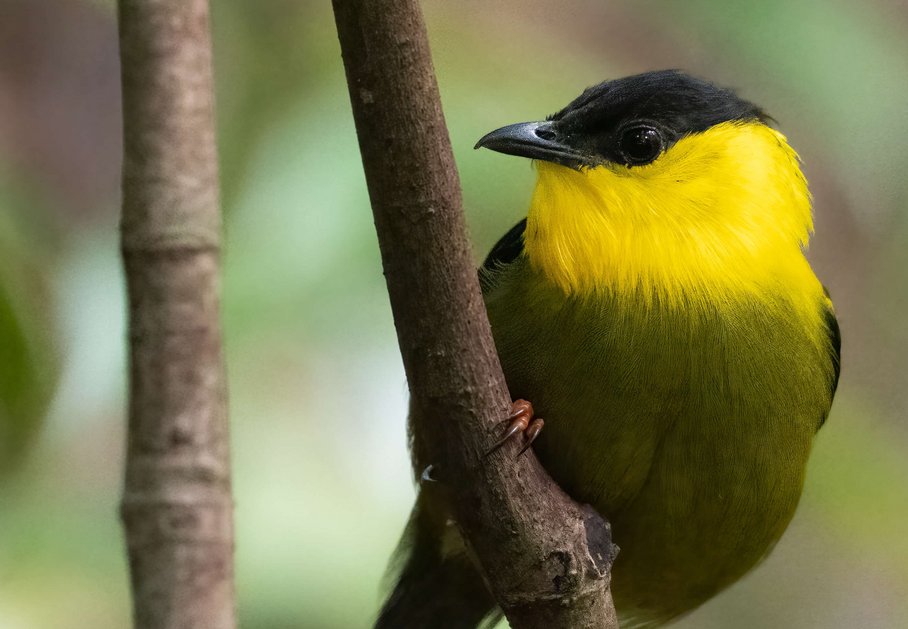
690	433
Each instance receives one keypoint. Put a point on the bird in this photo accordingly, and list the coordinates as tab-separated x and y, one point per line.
657	309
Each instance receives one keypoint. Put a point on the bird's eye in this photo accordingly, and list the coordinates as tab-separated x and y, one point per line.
640	145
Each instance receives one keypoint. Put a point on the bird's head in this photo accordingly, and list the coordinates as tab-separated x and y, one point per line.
661	182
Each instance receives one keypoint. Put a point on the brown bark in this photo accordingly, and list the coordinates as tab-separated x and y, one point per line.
545	558
176	508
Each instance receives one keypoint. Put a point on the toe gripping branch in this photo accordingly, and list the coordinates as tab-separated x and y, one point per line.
520	420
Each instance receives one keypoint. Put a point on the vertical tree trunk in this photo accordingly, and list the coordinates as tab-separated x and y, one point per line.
176	508
545	557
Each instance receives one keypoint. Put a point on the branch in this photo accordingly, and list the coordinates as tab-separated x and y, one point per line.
545	558
176	508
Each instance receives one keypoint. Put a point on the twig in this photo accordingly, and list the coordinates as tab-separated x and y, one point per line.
176	509
545	557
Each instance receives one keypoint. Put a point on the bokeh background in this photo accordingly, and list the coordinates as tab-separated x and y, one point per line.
317	389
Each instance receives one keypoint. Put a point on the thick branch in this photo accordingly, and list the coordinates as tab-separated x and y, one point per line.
176	509
545	557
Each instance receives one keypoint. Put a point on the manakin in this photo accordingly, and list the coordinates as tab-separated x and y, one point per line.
656	308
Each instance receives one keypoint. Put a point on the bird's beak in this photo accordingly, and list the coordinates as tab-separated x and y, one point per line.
536	140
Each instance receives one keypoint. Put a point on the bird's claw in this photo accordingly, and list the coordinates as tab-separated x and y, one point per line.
520	420
426	476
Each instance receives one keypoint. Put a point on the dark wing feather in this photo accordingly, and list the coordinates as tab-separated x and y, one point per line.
505	251
835	341
835	347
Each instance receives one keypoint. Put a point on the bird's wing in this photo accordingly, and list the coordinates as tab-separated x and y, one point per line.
505	251
835	341
835	346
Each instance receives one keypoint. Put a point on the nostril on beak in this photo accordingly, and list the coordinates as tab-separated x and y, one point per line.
545	133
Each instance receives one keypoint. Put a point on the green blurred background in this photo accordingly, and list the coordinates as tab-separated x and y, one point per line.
317	389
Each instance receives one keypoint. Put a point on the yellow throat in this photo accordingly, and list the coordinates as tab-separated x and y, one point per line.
720	214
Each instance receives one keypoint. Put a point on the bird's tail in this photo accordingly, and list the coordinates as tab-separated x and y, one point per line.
434	590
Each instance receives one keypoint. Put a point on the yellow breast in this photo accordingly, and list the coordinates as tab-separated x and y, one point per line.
720	215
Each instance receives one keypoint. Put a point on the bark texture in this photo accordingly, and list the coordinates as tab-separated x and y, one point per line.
176	508
545	558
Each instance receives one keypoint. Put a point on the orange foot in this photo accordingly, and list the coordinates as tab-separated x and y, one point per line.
521	420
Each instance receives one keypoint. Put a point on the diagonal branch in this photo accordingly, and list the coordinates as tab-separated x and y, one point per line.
545	557
176	509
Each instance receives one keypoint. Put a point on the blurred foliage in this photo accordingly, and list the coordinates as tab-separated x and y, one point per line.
27	364
317	390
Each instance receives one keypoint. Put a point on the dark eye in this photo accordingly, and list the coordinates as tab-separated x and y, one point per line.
640	145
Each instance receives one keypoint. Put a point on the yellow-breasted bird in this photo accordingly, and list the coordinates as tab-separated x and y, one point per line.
657	309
